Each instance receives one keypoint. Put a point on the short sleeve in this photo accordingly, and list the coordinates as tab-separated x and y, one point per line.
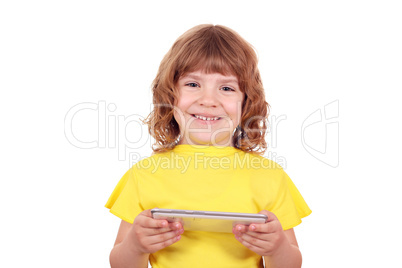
124	200
289	206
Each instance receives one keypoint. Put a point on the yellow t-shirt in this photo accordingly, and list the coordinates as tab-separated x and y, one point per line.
207	178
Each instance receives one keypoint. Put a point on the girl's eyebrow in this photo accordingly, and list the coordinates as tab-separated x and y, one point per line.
224	80
192	76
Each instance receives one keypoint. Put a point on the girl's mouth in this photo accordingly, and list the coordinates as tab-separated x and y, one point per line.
206	118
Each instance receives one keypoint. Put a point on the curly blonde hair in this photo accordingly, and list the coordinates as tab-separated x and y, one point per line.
213	49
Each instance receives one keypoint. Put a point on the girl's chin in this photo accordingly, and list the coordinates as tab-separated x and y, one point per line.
207	140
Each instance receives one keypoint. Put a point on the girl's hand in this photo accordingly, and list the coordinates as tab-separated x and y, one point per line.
263	238
150	235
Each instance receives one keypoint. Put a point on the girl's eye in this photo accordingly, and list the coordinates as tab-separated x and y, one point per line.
227	89
192	84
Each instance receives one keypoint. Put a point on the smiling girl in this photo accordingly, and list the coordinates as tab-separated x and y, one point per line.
208	104
208	108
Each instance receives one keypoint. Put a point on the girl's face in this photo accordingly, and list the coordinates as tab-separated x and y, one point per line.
208	109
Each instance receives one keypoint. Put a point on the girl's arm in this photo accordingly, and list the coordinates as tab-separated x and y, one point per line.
287	255
124	253
136	241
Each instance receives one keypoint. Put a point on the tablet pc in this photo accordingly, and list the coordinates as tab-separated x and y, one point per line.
209	221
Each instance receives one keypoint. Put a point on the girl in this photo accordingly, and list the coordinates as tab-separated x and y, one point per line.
209	122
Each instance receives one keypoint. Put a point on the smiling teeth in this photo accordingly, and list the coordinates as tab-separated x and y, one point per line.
206	118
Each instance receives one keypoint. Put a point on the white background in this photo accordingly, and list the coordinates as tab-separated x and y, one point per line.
57	54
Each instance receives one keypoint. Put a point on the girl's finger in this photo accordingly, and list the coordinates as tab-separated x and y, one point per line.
164	237
147	222
155	231
165	243
268	227
240	228
175	225
261	236
251	243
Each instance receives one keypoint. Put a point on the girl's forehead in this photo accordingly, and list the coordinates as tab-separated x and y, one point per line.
202	73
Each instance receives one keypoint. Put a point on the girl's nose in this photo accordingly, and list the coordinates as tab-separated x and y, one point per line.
208	98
